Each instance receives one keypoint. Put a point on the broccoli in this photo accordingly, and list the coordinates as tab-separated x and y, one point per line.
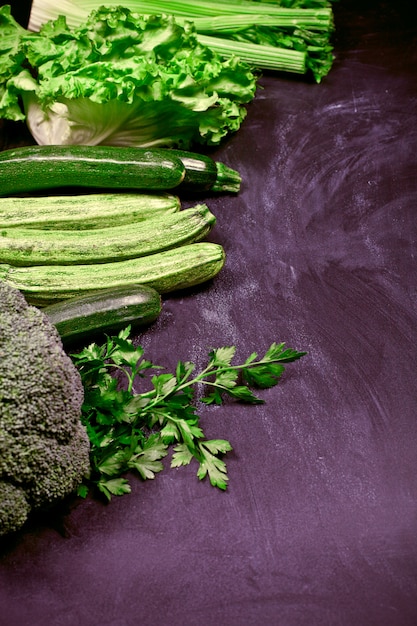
44	448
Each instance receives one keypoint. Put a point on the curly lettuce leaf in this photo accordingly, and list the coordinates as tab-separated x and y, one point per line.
11	61
125	79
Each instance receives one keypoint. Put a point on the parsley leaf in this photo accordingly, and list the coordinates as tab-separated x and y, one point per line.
113	487
146	459
182	455
211	464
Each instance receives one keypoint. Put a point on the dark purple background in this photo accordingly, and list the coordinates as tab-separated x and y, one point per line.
318	527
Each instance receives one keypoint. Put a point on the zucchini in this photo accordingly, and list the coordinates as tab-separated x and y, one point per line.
32	168
105	311
84	211
168	271
202	173
19	246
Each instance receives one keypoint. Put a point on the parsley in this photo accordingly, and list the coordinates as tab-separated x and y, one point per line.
132	432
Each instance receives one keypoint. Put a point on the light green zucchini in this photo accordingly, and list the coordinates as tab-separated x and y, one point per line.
28	246
168	271
83	211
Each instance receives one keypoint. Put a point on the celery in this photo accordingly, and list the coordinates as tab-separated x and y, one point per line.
287	35
302	18
190	8
254	54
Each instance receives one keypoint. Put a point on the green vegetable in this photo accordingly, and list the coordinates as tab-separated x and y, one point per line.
167	271
202	173
291	35
131	431
46	167
20	246
107	310
120	79
78	212
44	449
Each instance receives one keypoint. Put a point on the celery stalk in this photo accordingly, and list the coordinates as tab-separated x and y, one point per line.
290	18
249	12
278	59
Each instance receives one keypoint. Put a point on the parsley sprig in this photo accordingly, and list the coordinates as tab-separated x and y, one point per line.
133	431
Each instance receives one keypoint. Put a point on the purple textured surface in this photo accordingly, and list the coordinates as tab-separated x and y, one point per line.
318	526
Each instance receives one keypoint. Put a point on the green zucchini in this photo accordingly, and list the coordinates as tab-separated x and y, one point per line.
104	311
202	173
168	271
84	211
32	168
26	246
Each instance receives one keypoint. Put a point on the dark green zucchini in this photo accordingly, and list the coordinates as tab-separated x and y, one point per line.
104	311
202	173
31	168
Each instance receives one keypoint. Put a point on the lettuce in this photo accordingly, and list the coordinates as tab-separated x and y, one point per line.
120	78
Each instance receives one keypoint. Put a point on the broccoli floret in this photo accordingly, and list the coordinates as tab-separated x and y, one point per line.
44	448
